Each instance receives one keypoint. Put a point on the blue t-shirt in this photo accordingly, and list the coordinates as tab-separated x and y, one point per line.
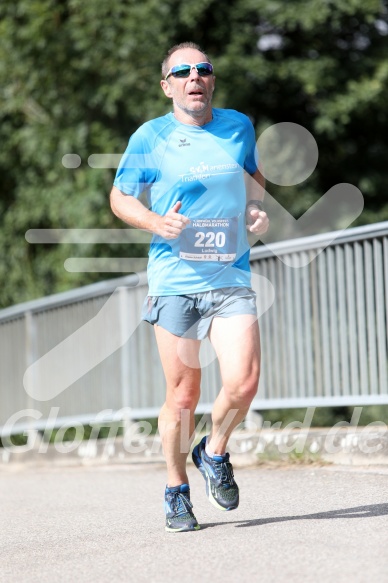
203	167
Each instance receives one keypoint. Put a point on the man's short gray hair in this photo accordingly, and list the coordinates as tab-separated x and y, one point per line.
186	45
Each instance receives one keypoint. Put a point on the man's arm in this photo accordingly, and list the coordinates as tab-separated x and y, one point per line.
130	210
256	187
257	220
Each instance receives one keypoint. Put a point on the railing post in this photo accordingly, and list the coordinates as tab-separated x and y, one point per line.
34	438
124	322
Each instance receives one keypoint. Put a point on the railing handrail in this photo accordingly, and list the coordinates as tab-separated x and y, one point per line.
320	240
74	295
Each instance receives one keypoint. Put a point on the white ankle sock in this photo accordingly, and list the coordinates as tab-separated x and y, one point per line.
208	451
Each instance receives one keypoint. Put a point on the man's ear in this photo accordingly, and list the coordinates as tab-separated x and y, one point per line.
165	85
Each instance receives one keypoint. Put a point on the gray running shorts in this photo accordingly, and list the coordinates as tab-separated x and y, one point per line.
190	316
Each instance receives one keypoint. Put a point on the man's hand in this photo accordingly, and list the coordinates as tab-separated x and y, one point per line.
257	221
172	223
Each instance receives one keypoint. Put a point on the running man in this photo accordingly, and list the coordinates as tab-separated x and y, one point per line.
191	165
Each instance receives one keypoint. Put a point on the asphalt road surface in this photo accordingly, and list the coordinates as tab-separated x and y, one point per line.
106	524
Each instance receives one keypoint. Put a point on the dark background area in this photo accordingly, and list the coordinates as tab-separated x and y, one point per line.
80	77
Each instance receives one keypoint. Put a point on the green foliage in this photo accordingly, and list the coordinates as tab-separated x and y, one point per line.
80	77
84	432
322	417
327	416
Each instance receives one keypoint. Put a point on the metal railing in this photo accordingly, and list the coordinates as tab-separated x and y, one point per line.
324	338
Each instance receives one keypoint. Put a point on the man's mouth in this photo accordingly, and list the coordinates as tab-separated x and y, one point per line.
196	92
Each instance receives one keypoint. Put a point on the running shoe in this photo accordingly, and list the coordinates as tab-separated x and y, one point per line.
221	489
178	508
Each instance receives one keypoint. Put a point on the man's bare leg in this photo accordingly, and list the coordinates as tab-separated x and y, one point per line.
182	394
236	341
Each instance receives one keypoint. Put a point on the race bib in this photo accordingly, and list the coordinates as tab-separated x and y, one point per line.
209	240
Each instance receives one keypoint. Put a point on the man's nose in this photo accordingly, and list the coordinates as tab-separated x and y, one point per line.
194	73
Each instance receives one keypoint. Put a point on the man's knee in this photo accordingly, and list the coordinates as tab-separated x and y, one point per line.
248	391
182	398
243	388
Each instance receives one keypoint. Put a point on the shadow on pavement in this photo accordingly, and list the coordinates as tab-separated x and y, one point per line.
356	512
